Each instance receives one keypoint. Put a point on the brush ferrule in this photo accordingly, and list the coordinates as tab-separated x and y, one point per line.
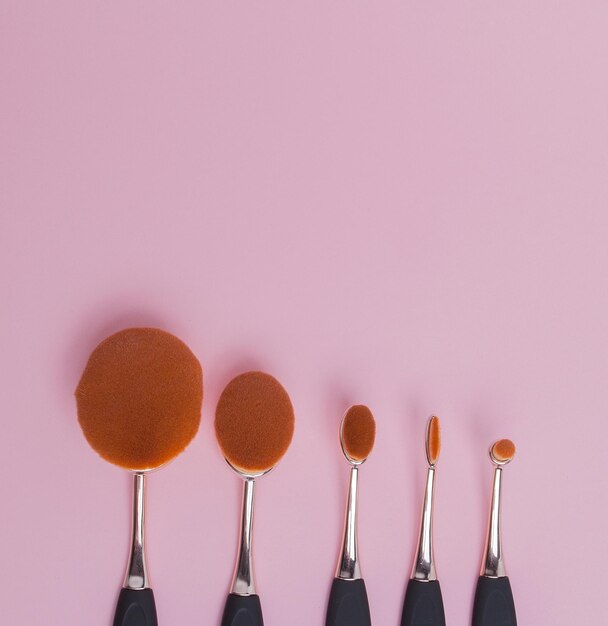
243	583
424	563
137	574
493	565
348	563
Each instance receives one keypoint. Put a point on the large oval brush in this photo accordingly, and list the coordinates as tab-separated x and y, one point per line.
139	405
254	424
348	604
494	604
423	604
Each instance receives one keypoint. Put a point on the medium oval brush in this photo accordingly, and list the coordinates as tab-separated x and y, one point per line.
348	604
423	604
494	604
139	405
254	424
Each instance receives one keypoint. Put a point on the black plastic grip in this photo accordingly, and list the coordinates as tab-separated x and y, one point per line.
242	611
135	607
348	605
494	603
423	604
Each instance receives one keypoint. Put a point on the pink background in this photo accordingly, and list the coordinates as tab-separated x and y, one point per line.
403	204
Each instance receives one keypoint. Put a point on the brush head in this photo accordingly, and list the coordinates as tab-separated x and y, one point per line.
254	422
502	451
433	440
139	398
357	433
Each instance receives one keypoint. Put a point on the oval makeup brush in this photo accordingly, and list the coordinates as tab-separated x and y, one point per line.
254	424
348	604
423	604
493	605
139	405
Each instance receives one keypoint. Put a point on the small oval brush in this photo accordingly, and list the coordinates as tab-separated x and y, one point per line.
254	424
139	405
493	605
348	604
423	604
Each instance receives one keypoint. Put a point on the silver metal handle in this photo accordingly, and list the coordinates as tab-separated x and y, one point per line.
137	573
424	565
348	563
243	583
493	565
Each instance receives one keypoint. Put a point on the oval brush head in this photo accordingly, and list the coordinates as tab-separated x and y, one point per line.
139	398
358	433
433	440
502	451
254	422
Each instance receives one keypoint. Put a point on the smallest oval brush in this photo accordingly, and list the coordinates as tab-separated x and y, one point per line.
348	604
494	604
423	603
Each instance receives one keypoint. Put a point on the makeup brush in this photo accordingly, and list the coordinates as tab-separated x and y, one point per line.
348	604
493	604
423	604
254	424
139	405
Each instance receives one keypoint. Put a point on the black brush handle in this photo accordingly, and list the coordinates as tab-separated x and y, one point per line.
348	605
494	603
423	604
242	611
135	607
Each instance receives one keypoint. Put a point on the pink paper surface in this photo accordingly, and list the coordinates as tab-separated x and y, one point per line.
403	204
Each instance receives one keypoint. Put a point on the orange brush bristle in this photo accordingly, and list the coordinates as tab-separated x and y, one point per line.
139	398
358	432
503	450
433	440
254	422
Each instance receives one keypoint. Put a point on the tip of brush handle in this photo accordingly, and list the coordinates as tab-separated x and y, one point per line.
242	611
348	605
423	604
494	603
135	607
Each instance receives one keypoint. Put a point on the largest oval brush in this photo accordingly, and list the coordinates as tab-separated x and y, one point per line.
348	604
139	405
254	425
494	604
